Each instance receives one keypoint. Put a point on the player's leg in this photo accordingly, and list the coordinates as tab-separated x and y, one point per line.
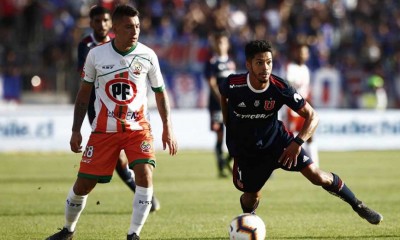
312	148
250	178
249	201
124	172
127	175
142	201
74	205
139	150
334	185
95	167
217	127
219	153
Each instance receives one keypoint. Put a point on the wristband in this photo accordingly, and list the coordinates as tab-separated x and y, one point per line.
298	140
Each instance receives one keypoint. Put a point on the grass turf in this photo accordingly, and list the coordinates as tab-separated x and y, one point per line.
195	203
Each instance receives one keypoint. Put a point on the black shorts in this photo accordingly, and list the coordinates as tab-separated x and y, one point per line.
216	121
250	174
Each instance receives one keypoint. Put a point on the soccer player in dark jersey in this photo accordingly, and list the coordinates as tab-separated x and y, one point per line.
217	68
260	143
100	23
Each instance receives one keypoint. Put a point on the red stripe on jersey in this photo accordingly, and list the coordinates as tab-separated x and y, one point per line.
122	75
276	82
142	121
238	79
102	117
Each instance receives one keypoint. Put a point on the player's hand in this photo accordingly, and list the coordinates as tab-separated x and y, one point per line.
289	155
168	139
75	142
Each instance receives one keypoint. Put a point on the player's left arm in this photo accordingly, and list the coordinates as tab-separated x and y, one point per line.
289	155
311	121
163	107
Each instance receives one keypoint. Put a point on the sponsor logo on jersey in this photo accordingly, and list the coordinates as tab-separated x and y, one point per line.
124	115
237	86
241	104
121	91
268	105
297	97
145	146
256	103
305	158
107	67
253	116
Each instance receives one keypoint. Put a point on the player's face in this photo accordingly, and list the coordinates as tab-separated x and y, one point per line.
101	25
127	31
222	45
304	54
260	67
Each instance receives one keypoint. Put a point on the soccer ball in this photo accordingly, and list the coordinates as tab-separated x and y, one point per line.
247	226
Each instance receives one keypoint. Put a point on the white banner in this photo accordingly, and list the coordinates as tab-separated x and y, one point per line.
48	128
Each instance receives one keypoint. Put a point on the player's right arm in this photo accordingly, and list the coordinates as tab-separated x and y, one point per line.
80	109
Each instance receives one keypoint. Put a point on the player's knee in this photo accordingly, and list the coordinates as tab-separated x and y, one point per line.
143	175
319	179
84	186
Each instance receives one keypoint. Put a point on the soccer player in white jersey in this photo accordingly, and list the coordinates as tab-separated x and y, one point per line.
298	75
118	70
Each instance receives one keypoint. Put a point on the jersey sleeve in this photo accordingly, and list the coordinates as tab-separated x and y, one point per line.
224	87
89	71
82	53
293	99
154	75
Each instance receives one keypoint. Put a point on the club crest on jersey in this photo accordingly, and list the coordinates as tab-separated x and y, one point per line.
137	68
268	105
145	146
121	91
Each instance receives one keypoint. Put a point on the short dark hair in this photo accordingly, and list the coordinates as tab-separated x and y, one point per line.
124	10
257	46
98	10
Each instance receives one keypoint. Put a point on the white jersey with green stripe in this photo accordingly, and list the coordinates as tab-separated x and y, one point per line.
120	81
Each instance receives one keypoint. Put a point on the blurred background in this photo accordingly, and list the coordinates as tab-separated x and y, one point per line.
358	38
354	62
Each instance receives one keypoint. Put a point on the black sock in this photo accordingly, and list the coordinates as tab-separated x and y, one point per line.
126	176
339	189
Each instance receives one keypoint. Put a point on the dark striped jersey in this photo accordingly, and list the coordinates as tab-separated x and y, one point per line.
252	125
220	68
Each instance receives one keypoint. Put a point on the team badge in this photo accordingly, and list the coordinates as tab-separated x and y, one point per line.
137	68
268	105
145	146
256	103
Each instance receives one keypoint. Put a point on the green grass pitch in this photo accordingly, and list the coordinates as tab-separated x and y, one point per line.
195	203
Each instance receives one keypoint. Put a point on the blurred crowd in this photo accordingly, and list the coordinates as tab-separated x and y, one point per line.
357	38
